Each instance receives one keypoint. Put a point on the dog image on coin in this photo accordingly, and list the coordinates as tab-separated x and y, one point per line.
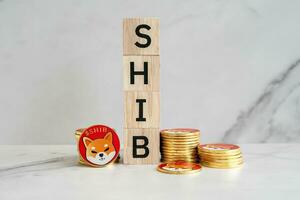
177	167
100	151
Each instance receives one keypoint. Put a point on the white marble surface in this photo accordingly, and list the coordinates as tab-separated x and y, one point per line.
232	66
271	171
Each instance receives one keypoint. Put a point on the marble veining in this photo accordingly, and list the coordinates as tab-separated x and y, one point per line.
38	166
262	121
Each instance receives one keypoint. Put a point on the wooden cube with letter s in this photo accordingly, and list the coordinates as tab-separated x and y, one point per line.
141	75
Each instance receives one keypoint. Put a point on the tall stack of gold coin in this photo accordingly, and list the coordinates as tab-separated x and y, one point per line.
220	155
179	144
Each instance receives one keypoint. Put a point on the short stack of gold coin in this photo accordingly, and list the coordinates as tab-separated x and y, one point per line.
220	155
78	133
179	144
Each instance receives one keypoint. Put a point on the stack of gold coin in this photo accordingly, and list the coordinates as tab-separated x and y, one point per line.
78	133
220	155
179	144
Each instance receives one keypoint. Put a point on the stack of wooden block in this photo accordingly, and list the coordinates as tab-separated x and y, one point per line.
141	71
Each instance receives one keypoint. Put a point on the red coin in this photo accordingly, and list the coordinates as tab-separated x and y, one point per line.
179	167
99	145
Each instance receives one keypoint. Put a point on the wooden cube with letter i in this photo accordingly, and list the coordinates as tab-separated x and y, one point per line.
141	80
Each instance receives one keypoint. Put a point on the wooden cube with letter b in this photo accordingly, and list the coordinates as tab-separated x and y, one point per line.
141	80
141	146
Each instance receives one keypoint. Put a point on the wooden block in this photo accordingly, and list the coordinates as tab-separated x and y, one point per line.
141	146
142	109
141	36
141	73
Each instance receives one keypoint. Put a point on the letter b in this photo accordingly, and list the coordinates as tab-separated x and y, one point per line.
135	146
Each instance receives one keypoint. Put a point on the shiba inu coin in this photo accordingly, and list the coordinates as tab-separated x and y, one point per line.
99	145
179	167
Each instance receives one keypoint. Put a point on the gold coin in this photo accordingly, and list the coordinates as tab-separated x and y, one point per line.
218	165
179	154
181	141
223	161
178	136
223	157
179	149
185	159
222	164
234	153
195	144
179	158
183	147
219	154
180	146
78	133
180	131
219	148
184	151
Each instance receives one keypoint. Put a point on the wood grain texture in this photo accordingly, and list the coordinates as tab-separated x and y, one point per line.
153	64
130	37
151	109
153	146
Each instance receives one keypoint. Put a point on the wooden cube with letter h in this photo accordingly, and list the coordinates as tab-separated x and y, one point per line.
141	73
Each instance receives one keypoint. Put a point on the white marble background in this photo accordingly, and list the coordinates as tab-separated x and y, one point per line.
230	68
